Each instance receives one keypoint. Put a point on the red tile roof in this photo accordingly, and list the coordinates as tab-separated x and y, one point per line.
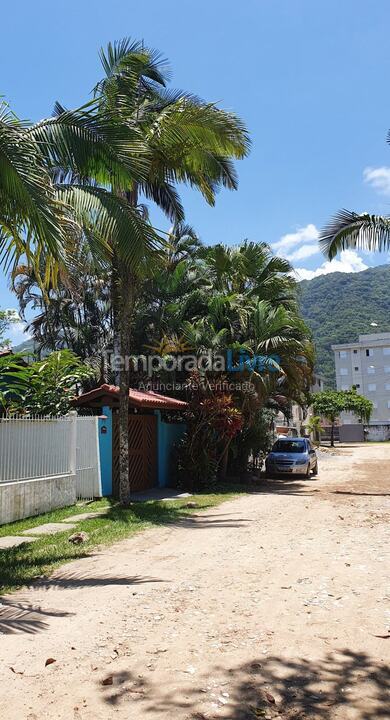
137	398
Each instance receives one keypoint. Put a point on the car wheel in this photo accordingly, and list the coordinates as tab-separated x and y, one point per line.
315	469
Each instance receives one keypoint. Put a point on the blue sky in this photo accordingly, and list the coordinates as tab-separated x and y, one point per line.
309	78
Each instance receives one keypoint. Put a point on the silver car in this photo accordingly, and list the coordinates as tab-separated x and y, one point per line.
292	456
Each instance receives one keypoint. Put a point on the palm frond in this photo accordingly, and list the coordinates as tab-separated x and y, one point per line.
350	230
107	216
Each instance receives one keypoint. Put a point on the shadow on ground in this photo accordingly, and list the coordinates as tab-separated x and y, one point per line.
22	617
275	687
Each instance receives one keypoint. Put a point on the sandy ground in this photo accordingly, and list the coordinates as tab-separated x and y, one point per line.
272	605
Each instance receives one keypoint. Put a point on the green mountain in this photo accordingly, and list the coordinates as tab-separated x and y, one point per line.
340	306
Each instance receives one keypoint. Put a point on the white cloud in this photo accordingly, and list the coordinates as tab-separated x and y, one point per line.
348	262
379	178
16	334
302	235
305	251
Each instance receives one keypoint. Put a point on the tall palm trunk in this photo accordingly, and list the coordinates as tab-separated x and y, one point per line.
123	317
125	320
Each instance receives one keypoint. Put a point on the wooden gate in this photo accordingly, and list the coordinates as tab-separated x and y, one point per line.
142	453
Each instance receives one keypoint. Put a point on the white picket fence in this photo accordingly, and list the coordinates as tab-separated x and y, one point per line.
51	447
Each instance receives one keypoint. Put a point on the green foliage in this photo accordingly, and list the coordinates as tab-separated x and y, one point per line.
340	306
359	405
330	403
313	425
53	383
7	317
253	442
42	388
212	423
14	380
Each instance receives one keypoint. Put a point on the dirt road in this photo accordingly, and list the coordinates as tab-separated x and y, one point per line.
273	605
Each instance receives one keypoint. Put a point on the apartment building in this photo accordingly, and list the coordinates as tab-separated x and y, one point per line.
366	365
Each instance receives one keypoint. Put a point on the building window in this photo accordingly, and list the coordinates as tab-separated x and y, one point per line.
357	385
388	403
387	386
343	371
371	370
343	354
387	368
369	352
386	351
371	387
355	352
356	368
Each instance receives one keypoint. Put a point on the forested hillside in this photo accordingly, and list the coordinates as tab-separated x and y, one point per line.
340	306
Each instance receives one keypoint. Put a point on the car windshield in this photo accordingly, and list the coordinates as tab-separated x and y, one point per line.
289	446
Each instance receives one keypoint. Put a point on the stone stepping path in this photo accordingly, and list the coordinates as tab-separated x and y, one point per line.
10	541
49	529
68	523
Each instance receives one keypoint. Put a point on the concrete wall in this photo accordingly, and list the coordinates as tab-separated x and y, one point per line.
378	433
352	433
26	498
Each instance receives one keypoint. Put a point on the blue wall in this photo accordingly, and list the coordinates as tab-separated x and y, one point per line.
105	451
167	435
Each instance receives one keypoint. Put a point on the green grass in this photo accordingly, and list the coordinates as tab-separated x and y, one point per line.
21	565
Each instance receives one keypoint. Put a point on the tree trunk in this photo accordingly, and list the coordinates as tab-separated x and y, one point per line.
115	302
125	317
224	461
332	434
123	313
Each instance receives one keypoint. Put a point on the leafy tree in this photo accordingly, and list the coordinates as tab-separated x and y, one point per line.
330	403
7	318
53	383
357	404
46	387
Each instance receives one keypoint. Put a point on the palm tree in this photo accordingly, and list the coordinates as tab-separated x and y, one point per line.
351	230
182	244
75	313
189	141
50	195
